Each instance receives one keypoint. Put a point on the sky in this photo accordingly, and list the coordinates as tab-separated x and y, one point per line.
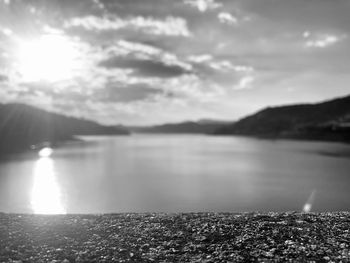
144	62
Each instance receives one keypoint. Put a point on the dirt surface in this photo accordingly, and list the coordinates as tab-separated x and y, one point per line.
194	237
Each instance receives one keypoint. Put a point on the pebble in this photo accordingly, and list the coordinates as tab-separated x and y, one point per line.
192	237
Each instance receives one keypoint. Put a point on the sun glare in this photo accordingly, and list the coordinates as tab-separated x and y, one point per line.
46	194
45	152
50	58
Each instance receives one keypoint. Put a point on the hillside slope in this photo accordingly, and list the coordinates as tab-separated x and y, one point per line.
200	127
22	126
328	120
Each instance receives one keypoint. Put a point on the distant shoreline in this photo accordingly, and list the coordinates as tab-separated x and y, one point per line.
289	138
180	237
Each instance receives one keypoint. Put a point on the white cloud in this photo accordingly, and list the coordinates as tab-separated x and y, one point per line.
51	30
321	41
244	69
306	34
172	59
7	31
241	75
227	18
203	5
170	26
137	47
226	65
244	83
200	58
142	51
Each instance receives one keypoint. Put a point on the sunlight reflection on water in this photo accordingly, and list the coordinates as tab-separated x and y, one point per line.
165	173
45	152
46	194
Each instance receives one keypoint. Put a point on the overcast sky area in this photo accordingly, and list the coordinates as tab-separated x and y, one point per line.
156	61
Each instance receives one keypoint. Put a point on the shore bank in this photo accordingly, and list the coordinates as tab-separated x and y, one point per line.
191	237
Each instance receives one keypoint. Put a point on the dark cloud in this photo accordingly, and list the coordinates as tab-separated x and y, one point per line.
3	78
146	68
114	93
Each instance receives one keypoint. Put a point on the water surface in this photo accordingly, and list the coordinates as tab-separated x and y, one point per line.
172	173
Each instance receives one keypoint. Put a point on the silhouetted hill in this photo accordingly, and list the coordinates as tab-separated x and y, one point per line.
328	120
22	126
200	127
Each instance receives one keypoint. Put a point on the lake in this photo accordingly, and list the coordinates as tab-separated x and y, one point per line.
178	173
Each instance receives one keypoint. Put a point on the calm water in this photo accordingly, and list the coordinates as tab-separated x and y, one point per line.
168	173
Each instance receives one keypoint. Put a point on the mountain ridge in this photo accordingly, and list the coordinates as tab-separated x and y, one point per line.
187	127
327	120
23	127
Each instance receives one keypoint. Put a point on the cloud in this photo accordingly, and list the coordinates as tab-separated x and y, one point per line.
203	5
6	31
145	67
226	66
143	51
306	34
132	47
200	58
170	26
244	83
99	4
144	60
321	41
227	18
191	88
3	78
131	93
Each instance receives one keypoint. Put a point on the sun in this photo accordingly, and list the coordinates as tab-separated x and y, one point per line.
48	58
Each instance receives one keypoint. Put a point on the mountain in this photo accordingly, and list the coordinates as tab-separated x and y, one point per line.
22	126
200	127
328	120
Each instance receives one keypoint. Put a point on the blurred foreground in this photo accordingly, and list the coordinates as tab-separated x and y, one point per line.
191	237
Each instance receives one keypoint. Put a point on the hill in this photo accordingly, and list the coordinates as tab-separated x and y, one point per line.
200	127
328	120
22	126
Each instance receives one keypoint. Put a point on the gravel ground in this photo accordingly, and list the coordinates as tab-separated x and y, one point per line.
193	237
